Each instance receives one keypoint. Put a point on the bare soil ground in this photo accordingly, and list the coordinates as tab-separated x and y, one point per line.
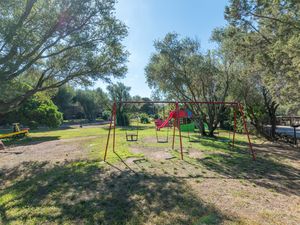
52	151
153	153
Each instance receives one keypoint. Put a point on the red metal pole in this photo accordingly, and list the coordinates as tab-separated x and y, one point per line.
246	130
114	131
174	127
108	136
234	127
178	125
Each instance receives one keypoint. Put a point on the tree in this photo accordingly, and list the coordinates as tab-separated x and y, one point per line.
260	35
46	44
179	70
147	107
39	110
64	98
248	87
93	102
266	35
119	93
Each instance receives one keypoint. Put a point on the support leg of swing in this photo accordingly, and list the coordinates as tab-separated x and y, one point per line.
234	128
247	132
114	127
109	130
174	127
178	125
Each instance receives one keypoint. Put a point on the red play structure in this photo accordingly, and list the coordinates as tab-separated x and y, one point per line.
173	115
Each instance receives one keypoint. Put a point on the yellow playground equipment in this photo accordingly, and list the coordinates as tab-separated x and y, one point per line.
17	132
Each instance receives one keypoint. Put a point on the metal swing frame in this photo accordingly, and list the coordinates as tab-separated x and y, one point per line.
158	140
130	136
236	105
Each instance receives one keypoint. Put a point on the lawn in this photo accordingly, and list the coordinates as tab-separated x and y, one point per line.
146	182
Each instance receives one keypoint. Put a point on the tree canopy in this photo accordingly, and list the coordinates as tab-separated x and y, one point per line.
181	71
265	35
93	102
45	44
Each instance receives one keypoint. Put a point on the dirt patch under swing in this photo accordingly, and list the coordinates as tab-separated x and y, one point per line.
153	153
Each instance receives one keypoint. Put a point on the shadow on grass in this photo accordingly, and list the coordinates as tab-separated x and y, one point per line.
83	192
279	150
28	140
219	145
213	141
264	172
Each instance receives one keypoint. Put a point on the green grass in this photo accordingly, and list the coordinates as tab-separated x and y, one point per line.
89	192
97	144
84	193
122	152
71	132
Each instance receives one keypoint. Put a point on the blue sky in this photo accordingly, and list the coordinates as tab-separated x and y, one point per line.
150	20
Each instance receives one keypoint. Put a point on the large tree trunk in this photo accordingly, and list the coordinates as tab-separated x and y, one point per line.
271	107
272	115
201	127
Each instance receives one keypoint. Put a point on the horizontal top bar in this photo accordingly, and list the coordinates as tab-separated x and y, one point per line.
174	102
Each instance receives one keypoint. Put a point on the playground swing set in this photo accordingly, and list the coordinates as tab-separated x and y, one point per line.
160	123
177	115
132	132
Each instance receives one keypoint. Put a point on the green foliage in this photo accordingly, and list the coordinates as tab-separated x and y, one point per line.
106	115
64	98
39	110
144	118
93	102
181	71
147	107
122	119
119	92
265	36
45	44
156	116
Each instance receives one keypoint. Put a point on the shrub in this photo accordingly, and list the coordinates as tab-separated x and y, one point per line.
38	110
156	116
144	118
122	119
106	115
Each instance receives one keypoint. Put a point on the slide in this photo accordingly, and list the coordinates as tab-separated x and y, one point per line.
166	122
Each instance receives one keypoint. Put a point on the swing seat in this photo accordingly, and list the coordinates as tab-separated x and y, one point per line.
131	137
162	141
